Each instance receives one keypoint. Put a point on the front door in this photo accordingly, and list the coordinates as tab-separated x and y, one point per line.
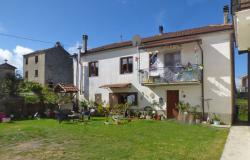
172	100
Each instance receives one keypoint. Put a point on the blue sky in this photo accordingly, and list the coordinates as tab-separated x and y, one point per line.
103	20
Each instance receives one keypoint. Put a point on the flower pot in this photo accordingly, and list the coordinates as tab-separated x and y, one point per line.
197	121
148	117
216	123
191	119
185	117
175	113
180	117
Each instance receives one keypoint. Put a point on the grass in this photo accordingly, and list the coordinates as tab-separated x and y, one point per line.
139	139
243	109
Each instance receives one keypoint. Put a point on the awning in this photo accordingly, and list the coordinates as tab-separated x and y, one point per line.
65	88
119	85
171	42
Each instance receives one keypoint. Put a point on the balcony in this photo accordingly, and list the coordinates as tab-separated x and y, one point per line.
177	75
238	5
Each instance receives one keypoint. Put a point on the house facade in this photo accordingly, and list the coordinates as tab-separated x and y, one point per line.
244	84
6	69
49	66
193	66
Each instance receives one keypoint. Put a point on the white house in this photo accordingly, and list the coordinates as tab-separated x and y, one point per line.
193	66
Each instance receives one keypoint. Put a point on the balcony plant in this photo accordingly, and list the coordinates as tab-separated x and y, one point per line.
216	119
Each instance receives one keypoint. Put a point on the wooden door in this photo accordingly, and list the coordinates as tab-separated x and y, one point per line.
172	100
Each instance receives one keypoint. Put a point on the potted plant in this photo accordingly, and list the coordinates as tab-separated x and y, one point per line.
197	118
179	107
216	120
186	108
192	113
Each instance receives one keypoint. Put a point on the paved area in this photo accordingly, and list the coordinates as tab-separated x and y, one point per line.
238	144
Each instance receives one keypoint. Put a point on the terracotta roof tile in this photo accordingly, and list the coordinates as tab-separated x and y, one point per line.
166	36
65	88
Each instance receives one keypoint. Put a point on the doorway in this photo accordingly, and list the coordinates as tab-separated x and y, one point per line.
172	101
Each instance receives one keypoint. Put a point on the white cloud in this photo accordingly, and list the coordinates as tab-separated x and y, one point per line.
15	57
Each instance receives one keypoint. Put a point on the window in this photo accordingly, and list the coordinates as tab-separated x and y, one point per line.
172	59
51	85
36	59
153	61
36	73
130	98
93	69
98	98
26	60
26	74
126	65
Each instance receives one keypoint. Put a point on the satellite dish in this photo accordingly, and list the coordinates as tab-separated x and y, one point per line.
136	40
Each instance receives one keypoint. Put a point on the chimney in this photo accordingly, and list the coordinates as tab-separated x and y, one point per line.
226	14
161	29
85	43
58	44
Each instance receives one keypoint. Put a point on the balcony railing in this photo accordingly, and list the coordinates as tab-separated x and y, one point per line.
238	5
171	75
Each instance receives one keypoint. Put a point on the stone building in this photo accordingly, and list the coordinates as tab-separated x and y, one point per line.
6	69
49	66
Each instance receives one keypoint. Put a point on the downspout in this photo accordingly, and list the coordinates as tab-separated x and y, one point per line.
233	87
202	80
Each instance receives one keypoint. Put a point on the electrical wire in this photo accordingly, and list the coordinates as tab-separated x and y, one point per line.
27	38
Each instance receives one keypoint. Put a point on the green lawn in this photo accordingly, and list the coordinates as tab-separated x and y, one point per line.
140	139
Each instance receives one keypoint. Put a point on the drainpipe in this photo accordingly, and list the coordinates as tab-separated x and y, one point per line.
202	80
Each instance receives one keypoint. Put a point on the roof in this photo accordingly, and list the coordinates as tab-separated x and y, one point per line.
182	35
65	88
7	66
118	85
173	41
48	50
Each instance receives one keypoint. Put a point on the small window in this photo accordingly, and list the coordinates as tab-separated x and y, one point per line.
26	75
36	59
153	61
93	69
36	73
51	85
172	59
26	60
126	65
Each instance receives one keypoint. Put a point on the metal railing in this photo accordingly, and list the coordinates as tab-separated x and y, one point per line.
175	74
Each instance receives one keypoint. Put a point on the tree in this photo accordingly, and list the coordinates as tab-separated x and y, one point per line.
9	86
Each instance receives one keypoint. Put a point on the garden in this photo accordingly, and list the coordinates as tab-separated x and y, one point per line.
92	139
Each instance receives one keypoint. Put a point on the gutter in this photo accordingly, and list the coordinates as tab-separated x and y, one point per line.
202	80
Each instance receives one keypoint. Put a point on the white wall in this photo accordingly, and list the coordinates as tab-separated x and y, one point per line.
217	72
217	84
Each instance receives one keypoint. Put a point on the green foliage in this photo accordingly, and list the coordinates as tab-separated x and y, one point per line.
84	104
216	117
36	93
9	86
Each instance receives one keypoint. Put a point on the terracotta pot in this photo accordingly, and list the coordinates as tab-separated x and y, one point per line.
185	117
180	117
175	113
